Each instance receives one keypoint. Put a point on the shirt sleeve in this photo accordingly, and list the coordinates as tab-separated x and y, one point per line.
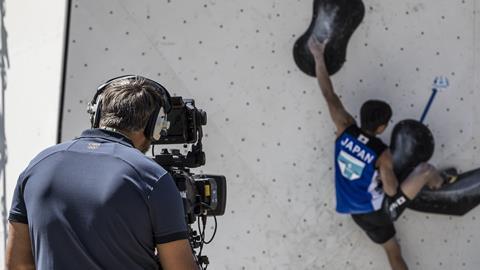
18	211
167	212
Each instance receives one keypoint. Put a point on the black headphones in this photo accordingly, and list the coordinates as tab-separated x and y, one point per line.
156	124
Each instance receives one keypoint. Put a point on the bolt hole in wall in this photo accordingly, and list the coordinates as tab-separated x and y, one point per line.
268	128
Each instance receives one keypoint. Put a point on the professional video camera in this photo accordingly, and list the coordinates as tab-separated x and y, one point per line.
203	194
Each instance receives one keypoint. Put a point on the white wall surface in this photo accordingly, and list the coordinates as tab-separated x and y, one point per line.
269	131
35	49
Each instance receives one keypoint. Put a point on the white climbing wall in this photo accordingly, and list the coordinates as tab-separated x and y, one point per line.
268	128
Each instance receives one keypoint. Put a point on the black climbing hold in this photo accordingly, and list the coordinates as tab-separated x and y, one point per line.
411	144
335	20
452	199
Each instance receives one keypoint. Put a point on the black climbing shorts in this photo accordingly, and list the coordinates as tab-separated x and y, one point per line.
379	224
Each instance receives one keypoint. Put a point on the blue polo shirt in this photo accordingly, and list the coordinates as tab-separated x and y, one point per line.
97	203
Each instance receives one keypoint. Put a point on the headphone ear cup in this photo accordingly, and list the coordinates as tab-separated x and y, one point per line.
150	127
96	116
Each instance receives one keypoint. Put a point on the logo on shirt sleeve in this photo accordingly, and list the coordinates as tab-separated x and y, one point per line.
350	167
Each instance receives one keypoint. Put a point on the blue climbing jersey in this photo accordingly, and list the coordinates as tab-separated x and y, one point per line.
358	189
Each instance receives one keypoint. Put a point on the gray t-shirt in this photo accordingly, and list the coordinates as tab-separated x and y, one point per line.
97	203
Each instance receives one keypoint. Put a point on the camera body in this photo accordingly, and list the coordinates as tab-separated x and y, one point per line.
203	195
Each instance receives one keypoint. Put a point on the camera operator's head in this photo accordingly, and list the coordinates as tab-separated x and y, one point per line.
134	106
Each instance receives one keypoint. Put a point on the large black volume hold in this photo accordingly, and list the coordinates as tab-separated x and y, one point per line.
411	144
335	20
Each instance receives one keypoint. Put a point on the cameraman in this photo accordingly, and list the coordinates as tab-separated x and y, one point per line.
97	202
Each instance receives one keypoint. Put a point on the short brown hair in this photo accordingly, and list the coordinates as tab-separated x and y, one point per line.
128	104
